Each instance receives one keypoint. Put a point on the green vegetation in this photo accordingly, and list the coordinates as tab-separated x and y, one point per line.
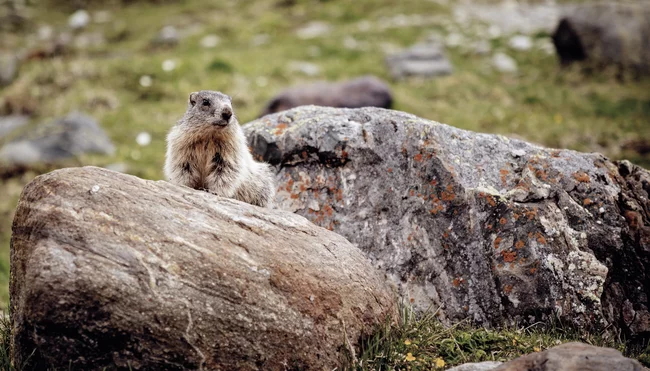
424	343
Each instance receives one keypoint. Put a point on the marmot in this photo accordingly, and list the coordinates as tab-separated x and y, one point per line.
207	150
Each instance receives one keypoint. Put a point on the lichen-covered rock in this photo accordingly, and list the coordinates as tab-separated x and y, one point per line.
112	271
484	227
573	357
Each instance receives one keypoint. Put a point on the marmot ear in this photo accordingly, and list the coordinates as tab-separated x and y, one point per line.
193	98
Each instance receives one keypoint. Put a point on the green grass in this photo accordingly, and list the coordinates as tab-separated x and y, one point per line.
542	103
424	343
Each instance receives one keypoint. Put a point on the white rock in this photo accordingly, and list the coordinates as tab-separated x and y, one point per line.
146	81
313	30
210	41
306	68
168	65
143	139
79	19
504	63
521	42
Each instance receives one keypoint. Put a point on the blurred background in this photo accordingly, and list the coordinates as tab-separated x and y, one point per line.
92	82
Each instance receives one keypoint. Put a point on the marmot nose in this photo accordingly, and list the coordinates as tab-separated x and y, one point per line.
226	114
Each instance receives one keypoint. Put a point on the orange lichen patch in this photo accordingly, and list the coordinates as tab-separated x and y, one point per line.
503	221
555	154
410	237
519	245
433	182
445	235
412	300
489	226
500	265
339	195
457	281
509	256
504	173
327	209
516	215
418	157
497	242
540	238
295	195
412	193
289	185
447	196
587	202
344	154
507	289
436	209
581	176
302	188
490	200
279	129
390	169
532	270
530	214
541	174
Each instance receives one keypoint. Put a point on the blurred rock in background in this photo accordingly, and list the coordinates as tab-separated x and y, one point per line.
606	34
366	91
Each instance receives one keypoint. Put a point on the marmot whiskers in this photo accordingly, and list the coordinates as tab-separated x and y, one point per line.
207	150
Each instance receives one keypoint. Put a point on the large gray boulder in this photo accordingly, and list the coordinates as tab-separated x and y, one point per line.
112	271
485	227
73	135
606	34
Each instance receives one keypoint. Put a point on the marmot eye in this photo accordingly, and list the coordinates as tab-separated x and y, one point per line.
206	102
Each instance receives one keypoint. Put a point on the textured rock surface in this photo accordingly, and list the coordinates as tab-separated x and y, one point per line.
480	366
108	269
611	33
365	91
573	357
489	228
425	60
70	136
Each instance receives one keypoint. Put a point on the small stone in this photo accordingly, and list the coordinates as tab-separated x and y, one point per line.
601	210
313	30
306	68
521	42
168	36
94	189
79	19
145	81
210	41
168	65
504	63
143	138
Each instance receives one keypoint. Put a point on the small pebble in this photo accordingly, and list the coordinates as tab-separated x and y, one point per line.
94	189
145	81
143	138
168	65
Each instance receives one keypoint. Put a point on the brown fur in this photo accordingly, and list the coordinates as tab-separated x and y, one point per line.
206	151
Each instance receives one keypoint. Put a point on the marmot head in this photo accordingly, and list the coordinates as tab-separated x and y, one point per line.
210	108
